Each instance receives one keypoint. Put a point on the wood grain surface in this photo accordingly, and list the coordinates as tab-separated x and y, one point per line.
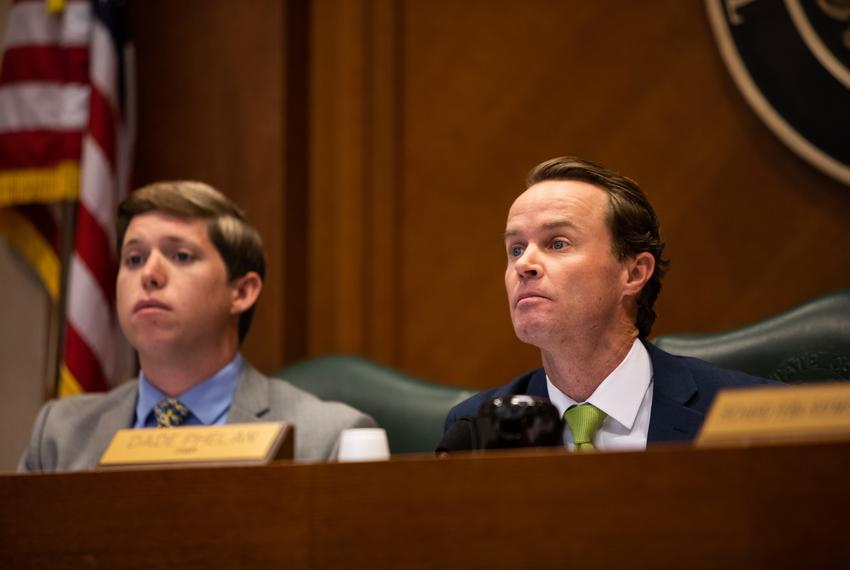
762	507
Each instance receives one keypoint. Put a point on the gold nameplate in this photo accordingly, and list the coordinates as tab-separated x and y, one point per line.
232	443
764	415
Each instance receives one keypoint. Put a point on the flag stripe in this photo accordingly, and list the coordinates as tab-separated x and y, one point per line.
99	197
88	311
92	245
46	63
30	23
102	126
82	363
37	106
38	149
103	70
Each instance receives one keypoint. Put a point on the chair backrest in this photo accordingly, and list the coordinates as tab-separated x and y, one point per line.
411	410
806	344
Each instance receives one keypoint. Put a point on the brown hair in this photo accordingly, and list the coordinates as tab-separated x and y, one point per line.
632	221
235	239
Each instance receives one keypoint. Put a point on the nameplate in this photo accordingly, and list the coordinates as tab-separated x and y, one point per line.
764	415
254	443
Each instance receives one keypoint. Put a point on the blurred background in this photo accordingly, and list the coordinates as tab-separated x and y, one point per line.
378	144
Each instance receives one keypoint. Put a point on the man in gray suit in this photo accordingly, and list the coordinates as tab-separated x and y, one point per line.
191	271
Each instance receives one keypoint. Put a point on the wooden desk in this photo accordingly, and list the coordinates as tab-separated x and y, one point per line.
765	507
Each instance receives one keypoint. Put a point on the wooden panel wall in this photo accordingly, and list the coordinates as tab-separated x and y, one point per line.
378	145
356	179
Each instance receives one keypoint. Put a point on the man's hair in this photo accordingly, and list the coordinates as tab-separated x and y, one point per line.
631	219
237	242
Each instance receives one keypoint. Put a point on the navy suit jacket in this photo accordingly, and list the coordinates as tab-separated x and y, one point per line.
683	390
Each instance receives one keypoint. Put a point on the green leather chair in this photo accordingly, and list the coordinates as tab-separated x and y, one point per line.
411	410
809	343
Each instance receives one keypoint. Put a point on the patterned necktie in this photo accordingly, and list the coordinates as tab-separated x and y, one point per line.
170	413
584	421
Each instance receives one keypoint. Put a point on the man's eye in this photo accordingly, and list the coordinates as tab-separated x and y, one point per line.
133	260
183	256
559	244
516	250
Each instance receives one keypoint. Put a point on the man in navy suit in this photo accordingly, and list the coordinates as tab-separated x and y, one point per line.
584	270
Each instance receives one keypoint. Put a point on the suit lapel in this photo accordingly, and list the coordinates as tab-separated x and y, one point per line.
671	418
537	384
251	400
118	416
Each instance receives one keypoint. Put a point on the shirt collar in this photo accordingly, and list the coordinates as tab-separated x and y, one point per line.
621	393
209	401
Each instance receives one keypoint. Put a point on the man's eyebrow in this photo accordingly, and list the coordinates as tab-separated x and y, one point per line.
178	240
129	242
553	225
170	240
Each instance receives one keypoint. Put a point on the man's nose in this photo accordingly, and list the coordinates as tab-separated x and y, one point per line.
529	265
154	273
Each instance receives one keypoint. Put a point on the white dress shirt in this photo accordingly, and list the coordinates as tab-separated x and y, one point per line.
625	395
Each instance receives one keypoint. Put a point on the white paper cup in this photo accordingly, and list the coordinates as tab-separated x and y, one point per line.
363	444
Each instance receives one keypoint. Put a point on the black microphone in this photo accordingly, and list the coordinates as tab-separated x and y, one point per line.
462	436
518	420
505	422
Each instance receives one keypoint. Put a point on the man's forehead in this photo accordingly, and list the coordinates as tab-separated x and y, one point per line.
555	223
157	226
555	202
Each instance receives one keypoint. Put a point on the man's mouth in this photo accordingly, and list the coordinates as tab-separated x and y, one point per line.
528	295
151	304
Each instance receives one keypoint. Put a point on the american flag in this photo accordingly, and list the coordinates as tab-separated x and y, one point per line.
66	133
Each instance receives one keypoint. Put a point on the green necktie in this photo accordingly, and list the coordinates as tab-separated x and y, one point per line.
584	421
170	413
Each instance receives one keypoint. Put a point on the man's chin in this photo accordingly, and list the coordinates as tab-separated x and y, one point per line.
153	345
531	333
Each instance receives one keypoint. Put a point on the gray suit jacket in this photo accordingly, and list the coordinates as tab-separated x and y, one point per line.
72	433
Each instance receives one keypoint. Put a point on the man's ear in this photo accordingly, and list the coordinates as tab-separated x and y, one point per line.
640	269
245	291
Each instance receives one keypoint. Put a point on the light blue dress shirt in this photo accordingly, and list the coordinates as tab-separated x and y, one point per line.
209	401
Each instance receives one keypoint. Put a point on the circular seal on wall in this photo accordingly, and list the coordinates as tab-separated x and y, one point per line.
791	61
